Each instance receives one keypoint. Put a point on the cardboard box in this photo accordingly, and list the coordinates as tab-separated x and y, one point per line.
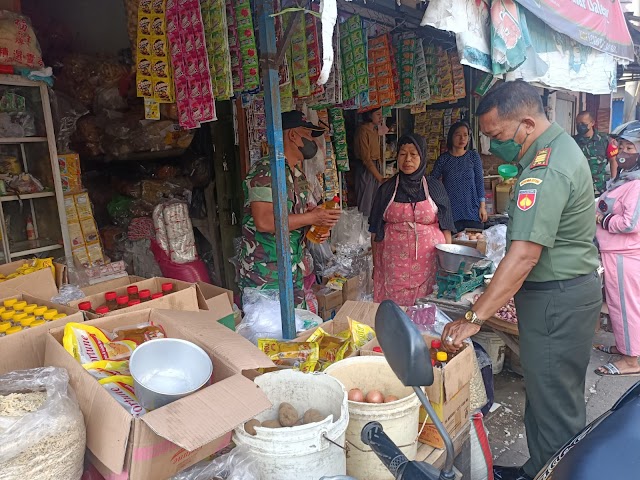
41	283
454	414
187	297
480	245
328	300
172	438
25	349
352	288
111	284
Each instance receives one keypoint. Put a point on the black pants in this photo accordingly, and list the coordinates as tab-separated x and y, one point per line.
464	224
556	330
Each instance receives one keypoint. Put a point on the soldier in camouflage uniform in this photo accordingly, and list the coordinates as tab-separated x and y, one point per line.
258	257
594	146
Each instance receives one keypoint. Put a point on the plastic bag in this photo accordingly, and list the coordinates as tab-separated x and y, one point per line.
262	317
66	112
67	294
42	430
238	464
174	231
496	238
18	43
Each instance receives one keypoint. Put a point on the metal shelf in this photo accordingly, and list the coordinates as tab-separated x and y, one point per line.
31	247
10	140
26	196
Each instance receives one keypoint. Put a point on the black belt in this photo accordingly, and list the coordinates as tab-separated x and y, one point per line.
559	284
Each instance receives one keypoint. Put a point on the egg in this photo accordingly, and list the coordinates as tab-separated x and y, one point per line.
374	396
356	395
390	398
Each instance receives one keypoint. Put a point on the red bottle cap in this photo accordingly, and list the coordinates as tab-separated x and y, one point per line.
132	290
167	287
123	300
84	306
433	362
157	295
377	349
133	302
436	344
109	296
102	310
145	293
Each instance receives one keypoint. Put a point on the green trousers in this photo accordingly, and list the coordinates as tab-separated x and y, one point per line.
556	332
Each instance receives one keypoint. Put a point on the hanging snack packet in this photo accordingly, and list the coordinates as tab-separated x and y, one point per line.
139	333
107	368
90	344
301	356
331	348
121	388
360	333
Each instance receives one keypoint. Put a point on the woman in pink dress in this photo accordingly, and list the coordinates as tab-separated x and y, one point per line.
410	216
618	235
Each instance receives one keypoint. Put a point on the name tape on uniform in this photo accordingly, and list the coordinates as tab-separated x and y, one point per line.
541	159
526	199
532	181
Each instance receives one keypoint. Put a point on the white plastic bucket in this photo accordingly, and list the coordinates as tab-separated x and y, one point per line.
399	419
495	348
305	452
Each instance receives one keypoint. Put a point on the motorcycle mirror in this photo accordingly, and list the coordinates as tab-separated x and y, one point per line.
403	345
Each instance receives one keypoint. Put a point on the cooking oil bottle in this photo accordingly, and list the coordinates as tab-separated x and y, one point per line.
316	232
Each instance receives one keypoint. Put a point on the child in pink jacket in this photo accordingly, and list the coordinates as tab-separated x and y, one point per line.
618	235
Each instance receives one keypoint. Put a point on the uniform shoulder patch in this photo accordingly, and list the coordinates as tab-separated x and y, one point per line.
530	180
541	159
526	199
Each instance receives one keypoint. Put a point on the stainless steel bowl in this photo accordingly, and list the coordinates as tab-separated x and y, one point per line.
451	257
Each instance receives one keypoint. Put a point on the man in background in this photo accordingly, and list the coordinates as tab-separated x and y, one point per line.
594	146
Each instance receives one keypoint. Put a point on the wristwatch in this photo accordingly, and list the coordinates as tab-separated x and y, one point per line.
472	317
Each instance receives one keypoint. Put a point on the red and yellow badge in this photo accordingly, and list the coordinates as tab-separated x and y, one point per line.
541	159
526	199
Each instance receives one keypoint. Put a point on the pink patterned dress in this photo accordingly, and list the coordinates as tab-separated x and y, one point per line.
405	262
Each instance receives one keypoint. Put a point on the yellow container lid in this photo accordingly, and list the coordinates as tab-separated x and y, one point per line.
4	326
37	323
40	311
5	316
49	314
13	330
19	305
18	317
2	310
27	322
59	316
10	302
29	309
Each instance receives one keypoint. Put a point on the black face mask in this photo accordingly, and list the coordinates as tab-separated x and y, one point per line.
628	161
582	128
308	149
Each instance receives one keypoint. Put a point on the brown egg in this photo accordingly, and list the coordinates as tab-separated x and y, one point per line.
374	396
356	395
390	398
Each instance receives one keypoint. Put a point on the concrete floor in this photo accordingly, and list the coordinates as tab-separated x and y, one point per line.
506	428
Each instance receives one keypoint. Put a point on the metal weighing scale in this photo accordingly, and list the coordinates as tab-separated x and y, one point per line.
460	270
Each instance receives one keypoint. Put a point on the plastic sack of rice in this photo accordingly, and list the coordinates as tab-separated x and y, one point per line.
42	431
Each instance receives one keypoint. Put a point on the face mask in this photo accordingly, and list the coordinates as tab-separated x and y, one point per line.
506	150
308	149
627	161
582	128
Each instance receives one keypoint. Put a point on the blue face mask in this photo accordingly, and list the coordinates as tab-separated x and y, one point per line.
506	150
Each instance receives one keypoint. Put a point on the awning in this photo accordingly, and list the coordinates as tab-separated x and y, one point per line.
596	23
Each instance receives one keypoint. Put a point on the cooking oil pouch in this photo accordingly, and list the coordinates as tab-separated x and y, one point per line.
107	368
121	388
140	333
301	356
337	283
331	348
360	333
90	344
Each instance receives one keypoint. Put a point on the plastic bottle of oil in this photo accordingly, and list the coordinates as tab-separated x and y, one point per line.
317	231
436	345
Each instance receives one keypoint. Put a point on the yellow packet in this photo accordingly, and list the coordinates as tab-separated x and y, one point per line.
337	283
90	344
107	368
331	348
360	333
121	388
301	356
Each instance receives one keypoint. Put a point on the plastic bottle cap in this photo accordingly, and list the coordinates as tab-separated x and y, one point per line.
2	310
26	322
40	311
123	300
157	295
10	303
18	317
436	344
167	287
377	349
59	316
7	315
49	314
442	356
30	308
37	323
433	362
102	310
133	302
13	330
109	296
132	290
19	305
145	293
84	306
4	326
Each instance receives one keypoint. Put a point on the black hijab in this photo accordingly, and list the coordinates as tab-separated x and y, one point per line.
410	190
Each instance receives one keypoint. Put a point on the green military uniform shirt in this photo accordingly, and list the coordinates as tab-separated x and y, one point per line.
553	206
595	149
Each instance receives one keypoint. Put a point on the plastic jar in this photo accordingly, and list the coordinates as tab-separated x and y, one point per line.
29	309
103	310
28	321
7	316
9	303
18	317
4	326
157	295
111	300
37	323
2	310
14	329
85	306
49	314
135	301
39	313
167	288
19	306
132	291
145	295
59	316
122	302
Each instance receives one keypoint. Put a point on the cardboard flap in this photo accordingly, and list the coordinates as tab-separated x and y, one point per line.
459	372
41	283
176	422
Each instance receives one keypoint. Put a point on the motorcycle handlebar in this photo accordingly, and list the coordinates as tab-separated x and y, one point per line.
373	435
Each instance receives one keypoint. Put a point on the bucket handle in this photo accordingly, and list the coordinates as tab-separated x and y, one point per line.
369	450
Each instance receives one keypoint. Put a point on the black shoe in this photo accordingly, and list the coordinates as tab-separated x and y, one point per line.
509	473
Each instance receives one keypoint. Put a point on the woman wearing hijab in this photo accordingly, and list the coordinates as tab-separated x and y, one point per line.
618	236
409	217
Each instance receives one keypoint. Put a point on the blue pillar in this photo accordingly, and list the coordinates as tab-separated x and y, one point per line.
271	84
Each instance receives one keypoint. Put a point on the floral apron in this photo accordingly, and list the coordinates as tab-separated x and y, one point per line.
406	261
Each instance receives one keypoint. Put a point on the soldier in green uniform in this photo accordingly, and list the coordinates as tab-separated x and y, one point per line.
549	266
594	146
258	262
